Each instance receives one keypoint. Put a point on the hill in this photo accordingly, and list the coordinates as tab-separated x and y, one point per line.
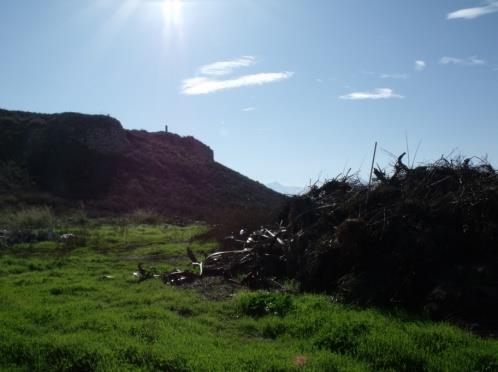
74	159
286	190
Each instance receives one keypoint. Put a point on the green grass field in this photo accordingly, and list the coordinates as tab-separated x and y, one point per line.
76	306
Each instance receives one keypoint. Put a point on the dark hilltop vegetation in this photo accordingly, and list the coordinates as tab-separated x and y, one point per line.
71	160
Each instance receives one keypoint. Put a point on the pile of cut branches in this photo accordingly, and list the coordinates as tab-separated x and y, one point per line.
254	260
424	239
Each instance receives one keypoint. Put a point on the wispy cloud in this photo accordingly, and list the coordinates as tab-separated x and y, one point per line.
209	80
420	65
469	61
395	76
227	67
380	93
204	85
472	13
249	109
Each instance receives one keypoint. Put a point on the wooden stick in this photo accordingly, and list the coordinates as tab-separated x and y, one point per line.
372	168
371	171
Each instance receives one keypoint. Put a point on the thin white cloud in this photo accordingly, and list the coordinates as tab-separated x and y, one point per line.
319	81
204	85
469	61
380	93
249	109
420	65
472	13
395	76
227	67
209	77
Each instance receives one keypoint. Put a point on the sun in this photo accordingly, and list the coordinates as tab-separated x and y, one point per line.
172	11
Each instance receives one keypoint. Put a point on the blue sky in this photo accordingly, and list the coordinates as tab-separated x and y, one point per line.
282	90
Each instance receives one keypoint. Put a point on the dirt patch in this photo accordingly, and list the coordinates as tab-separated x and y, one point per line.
214	288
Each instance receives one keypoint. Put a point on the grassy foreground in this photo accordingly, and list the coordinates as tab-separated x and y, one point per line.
76	306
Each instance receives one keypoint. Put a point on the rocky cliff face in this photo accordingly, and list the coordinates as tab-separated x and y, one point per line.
172	145
91	158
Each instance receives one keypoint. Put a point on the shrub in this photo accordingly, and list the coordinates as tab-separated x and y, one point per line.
78	218
264	303
342	338
14	177
30	218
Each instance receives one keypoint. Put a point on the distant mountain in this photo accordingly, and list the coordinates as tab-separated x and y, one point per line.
286	190
91	160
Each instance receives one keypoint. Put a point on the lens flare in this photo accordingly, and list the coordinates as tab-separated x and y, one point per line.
172	12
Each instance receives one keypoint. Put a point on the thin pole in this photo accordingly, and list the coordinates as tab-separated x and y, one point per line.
372	168
370	179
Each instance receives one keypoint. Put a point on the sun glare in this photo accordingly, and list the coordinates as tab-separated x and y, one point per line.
172	11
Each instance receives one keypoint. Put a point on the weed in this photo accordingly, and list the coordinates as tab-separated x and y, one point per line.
29	218
264	303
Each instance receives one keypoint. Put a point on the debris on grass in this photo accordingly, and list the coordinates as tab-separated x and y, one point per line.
254	260
67	237
13	237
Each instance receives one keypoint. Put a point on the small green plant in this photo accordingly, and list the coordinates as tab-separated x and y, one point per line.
341	338
29	218
258	304
77	218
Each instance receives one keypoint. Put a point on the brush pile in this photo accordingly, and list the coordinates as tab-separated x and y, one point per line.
423	238
256	260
